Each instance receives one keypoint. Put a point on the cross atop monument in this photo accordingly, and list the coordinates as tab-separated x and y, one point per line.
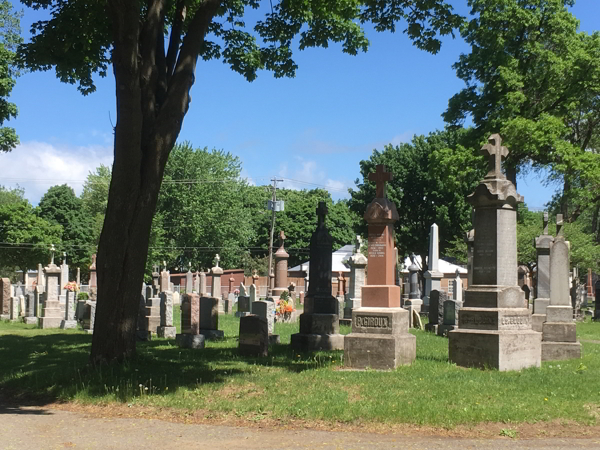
559	225
155	268
282	237
380	176
545	230
217	259
322	212
495	151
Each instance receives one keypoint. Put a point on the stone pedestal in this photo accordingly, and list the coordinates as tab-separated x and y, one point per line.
193	341
319	323
379	339
539	313
433	276
495	323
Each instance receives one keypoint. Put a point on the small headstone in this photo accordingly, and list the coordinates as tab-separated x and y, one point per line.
436	310
166	328
31	314
265	310
193	341
209	318
254	336
243	306
70	305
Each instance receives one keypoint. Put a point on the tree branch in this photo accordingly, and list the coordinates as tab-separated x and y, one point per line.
175	39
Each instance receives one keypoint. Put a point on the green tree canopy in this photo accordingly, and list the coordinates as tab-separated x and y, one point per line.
8	195
432	177
533	78
25	238
61	206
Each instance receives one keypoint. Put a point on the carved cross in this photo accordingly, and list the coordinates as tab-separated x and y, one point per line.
495	152
545	230
559	225
322	212
380	176
217	259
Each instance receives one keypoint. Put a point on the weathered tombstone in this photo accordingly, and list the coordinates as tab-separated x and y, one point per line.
243	302
380	337
64	275
542	247
433	276
252	292
319	323
142	325
190	336
266	310
149	292
70	304
93	283
14	308
216	273
51	312
494	324
189	281
153	314
31	307
358	264
164	279
450	322
414	297
281	267
155	279
89	316
597	300
209	318
254	336
559	338
196	287
40	279
166	328
436	310
457	286
202	282
5	295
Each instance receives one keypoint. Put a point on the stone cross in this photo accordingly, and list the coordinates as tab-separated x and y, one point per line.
380	176
321	213
495	151
155	268
217	259
559	225
545	229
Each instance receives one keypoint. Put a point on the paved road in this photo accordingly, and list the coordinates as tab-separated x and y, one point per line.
40	428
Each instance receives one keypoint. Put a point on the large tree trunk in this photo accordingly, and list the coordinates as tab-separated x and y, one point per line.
152	100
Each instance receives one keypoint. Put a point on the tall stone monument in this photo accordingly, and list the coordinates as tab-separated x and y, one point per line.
495	322
281	267
216	272
70	304
433	276
189	280
319	323
64	275
51	312
380	337
542	245
559	338
166	328
414	296
358	264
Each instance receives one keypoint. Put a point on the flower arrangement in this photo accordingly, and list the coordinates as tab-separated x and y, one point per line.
284	310
71	286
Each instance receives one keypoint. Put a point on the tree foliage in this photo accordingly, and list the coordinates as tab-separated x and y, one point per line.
432	177
533	78
10	38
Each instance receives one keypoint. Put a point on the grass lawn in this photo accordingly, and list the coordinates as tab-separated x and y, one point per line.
50	365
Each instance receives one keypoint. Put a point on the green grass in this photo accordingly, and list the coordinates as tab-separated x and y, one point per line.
48	365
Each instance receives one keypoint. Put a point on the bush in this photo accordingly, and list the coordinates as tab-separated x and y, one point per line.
82	296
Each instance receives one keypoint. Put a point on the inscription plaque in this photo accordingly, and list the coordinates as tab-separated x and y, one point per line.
372	321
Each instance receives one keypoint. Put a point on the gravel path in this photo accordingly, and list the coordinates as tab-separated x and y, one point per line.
41	428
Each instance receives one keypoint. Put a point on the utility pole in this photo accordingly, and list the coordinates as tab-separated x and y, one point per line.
273	208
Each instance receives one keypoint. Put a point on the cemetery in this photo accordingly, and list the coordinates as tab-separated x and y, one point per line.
367	250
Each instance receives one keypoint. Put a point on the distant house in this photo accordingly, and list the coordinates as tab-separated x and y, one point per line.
447	268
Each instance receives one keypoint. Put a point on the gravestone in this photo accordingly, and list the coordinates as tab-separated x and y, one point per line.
155	279
254	336
70	305
436	310
142	325
559	338
433	276
153	314
216	273
470	241
64	275
51	312
495	324
542	245
380	337
252	295
597	301
40	279
189	281
265	309
89	316
165	279
357	264
31	308
5	295
202	283
190	336
166	328
319	323
451	309
414	296
526	291
209	318
457	287
243	302
93	282
14	308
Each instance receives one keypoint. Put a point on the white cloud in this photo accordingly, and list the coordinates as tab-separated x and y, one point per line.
35	166
308	175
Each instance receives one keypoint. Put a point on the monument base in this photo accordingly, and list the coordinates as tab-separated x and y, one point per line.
50	322
497	349
537	321
556	351
30	320
379	339
212	334
318	332
193	341
68	324
167	332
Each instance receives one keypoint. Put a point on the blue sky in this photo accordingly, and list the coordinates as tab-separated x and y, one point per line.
314	128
